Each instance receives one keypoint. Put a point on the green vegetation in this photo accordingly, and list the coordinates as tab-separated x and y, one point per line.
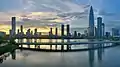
7	48
2	40
9	45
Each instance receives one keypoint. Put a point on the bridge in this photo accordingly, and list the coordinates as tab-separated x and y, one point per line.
49	37
100	44
68	43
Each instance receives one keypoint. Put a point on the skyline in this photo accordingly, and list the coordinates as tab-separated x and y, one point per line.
59	33
78	9
91	32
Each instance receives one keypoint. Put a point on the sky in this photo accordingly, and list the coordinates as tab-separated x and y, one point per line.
51	13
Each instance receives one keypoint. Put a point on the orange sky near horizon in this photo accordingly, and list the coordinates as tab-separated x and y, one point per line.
5	24
6	28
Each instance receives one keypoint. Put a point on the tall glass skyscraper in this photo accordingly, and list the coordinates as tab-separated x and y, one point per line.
91	22
21	28
103	29
62	30
99	27
56	31
13	26
68	29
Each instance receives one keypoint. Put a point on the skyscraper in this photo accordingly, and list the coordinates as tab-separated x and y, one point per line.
18	31
68	29
21	28
28	33
115	32
75	33
13	26
51	33
79	34
10	33
31	33
107	34
96	32
35	32
91	22
62	30
103	29
56	31
99	27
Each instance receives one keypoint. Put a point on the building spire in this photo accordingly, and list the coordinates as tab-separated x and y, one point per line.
91	22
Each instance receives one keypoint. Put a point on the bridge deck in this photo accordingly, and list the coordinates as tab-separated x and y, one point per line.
70	43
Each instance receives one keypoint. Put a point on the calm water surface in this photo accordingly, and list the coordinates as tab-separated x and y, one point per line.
108	57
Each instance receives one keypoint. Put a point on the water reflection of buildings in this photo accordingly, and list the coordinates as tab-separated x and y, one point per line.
5	55
92	54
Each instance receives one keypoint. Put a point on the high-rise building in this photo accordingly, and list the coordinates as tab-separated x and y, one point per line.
13	26
31	33
75	33
28	33
35	32
79	34
62	30
96	32
21	31
103	29
99	27
91	22
10	33
50	33
18	31
115	32
21	28
107	34
68	29
56	31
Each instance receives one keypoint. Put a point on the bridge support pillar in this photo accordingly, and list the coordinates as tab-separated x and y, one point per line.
35	41
39	46
35	46
21	42
62	46
50	47
56	45
67	47
28	45
50	40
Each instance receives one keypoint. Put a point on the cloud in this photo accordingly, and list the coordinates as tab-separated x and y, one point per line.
45	13
42	5
104	13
